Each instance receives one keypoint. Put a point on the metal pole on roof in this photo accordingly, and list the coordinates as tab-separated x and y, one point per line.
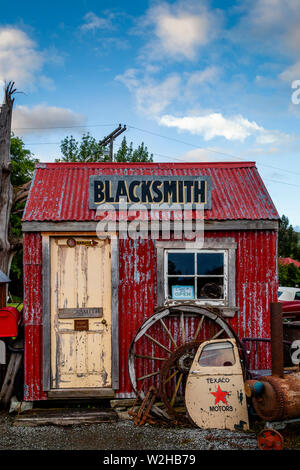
110	138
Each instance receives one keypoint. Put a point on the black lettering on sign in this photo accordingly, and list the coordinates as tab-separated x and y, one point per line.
99	194
213	380
150	189
221	408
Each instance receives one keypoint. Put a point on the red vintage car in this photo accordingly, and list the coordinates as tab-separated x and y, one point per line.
289	297
290	309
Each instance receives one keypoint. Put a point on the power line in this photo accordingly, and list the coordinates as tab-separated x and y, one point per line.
61	127
168	138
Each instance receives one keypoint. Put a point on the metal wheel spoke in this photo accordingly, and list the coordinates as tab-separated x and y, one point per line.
168	332
182	327
199	327
217	334
150	357
171	377
176	389
148	375
157	342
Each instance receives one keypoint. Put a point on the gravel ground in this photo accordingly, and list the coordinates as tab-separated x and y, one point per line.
123	435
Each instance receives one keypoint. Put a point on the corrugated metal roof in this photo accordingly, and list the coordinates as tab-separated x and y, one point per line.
59	191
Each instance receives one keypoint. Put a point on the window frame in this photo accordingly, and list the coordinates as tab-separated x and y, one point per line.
227	309
222	301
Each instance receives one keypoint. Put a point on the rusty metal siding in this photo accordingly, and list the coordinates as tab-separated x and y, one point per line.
60	190
256	288
32	301
137	297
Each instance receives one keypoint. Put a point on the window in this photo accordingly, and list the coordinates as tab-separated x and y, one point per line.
217	355
196	275
297	296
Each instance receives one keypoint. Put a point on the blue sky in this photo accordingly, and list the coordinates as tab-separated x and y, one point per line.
194	80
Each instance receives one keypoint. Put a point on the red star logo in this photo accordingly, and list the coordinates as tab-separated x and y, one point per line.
220	395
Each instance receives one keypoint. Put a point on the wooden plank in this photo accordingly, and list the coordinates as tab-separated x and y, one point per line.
81	393
96	312
114	310
46	313
65	417
208	225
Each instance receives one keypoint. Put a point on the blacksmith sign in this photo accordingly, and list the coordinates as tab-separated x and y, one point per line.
149	190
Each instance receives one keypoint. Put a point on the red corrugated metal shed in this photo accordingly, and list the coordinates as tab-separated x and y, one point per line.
60	193
60	190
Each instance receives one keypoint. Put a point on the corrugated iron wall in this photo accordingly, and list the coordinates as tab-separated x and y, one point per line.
256	287
32	316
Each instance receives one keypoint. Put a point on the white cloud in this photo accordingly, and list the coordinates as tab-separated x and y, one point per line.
215	125
20	59
180	29
208	75
291	73
42	118
152	97
204	155
93	22
274	24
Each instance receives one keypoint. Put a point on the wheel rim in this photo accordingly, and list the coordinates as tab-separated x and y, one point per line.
166	337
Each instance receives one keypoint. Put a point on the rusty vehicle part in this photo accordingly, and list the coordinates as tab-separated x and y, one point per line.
270	439
179	362
214	393
276	340
280	398
267	341
143	414
167	330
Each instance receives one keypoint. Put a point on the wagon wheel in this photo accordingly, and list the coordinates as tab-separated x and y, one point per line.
167	342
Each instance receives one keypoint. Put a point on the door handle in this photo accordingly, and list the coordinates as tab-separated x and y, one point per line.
104	322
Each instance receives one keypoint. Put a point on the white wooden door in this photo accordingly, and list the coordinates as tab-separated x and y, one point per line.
80	312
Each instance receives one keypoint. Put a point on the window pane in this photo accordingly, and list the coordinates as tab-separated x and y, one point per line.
210	263
210	288
179	281
217	355
181	263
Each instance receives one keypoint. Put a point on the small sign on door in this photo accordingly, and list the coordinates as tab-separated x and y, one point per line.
81	325
183	292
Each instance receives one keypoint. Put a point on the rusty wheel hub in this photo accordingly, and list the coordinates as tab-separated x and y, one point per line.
270	439
176	368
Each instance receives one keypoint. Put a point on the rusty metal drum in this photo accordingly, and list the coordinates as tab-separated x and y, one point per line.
280	398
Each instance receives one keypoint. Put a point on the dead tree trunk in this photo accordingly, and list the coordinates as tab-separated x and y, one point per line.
6	190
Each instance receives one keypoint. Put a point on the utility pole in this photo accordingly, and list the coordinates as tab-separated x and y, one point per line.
110	138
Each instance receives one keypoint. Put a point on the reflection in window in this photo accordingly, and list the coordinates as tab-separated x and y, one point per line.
181	263
217	355
204	270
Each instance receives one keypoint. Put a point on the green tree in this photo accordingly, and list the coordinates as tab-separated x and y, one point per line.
89	150
23	164
126	153
289	275
288	240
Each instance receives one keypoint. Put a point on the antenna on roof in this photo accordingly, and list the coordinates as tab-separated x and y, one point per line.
110	138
